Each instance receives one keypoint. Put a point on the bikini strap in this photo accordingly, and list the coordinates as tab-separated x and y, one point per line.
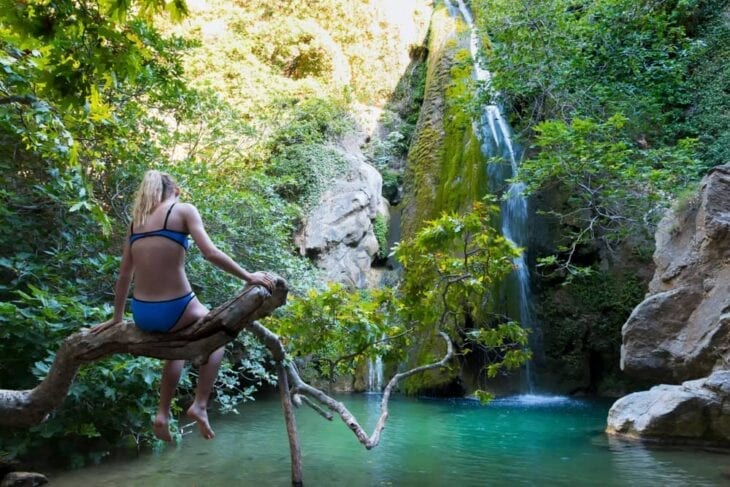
164	227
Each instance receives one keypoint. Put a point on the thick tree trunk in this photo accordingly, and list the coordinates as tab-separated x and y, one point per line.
196	343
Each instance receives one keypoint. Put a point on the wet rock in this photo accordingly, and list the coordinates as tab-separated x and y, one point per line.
681	330
696	411
23	479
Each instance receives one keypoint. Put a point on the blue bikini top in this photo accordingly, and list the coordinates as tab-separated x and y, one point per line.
174	235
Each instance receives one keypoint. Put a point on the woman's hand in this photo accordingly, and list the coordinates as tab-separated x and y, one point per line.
103	326
262	279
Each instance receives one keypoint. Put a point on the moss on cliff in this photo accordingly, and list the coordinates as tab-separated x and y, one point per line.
445	168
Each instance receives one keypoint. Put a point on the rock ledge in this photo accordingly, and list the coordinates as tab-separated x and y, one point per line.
696	412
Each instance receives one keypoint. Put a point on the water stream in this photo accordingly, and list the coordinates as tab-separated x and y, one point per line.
525	440
495	135
375	374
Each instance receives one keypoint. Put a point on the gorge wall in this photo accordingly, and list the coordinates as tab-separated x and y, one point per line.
681	331
445	168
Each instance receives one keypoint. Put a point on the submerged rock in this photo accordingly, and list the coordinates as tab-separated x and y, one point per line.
681	330
697	411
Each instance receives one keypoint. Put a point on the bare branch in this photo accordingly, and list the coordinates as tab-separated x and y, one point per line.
325	414
300	387
22	99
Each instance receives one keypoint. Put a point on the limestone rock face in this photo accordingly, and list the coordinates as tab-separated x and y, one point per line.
338	232
696	411
681	330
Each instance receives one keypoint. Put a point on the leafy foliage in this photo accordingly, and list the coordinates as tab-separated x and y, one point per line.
86	106
582	323
336	328
380	229
451	267
609	96
613	189
565	58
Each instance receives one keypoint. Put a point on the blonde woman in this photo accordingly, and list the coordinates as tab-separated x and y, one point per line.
163	300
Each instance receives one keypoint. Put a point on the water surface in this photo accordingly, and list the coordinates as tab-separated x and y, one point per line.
524	440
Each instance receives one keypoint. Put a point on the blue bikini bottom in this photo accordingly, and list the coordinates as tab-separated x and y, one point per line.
159	316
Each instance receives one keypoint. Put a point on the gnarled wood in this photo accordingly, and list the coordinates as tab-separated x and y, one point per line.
196	343
299	387
369	442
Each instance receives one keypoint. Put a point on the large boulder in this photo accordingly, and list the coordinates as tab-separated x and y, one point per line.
697	411
681	330
338	233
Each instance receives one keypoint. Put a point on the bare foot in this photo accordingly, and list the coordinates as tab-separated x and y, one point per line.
200	415
161	428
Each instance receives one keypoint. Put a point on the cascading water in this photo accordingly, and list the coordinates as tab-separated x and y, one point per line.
496	137
375	374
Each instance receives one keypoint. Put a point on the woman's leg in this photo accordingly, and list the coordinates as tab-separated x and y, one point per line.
206	375
170	377
206	379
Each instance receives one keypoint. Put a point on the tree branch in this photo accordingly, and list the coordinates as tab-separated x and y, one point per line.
304	389
196	343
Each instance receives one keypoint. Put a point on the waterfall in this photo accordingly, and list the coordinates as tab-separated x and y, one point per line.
495	135
375	374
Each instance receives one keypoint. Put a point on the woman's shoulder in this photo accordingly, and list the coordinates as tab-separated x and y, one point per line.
185	206
188	209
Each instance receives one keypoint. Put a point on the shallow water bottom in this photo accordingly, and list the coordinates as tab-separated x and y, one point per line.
523	440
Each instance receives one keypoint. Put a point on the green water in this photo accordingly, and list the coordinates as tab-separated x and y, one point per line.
513	441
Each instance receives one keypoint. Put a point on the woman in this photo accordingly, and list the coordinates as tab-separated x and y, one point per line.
163	300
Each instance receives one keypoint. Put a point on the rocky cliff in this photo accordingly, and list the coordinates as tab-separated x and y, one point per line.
681	330
338	233
697	411
445	167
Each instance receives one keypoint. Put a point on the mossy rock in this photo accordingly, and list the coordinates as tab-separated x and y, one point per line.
435	382
446	168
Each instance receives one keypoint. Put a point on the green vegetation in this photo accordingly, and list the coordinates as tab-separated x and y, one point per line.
336	329
709	85
610	97
445	165
581	326
622	106
244	112
380	229
451	266
613	189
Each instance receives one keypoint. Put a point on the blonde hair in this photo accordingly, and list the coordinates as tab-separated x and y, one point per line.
154	188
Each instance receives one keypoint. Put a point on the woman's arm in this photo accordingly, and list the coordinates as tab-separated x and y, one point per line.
215	256
121	288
